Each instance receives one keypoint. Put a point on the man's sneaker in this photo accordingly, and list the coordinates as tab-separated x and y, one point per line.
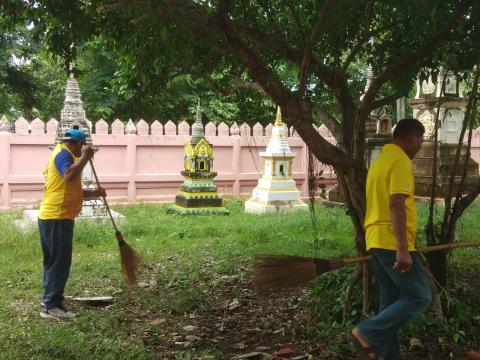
57	313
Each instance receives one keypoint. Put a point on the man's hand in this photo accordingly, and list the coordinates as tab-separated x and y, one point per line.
404	261
87	152
101	192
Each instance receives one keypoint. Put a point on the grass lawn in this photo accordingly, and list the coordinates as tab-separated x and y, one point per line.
189	262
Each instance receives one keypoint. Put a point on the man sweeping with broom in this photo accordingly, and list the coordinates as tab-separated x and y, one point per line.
61	204
390	225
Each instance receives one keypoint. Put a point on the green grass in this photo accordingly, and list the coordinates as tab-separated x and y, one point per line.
183	255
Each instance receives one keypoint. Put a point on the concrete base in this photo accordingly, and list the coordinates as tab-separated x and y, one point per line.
258	207
30	218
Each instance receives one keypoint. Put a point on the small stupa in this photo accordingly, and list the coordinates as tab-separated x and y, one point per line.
276	190
72	116
198	193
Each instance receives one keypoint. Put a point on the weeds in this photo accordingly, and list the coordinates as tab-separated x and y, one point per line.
183	258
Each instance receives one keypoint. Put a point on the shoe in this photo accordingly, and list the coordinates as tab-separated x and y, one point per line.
57	313
366	353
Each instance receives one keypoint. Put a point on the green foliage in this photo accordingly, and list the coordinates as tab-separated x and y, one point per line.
115	83
139	62
186	256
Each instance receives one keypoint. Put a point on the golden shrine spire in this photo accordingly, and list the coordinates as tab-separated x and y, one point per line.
278	119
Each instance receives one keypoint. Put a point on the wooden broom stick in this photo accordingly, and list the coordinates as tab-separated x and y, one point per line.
129	258
425	249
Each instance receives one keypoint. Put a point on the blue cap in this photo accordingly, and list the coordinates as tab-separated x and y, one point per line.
75	135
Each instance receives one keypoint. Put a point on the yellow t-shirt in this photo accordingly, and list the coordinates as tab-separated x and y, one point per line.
390	173
62	199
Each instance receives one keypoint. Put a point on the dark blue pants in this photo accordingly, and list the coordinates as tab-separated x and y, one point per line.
56	238
403	296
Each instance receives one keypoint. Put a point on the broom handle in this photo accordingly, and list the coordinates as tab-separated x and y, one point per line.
104	200
422	250
448	246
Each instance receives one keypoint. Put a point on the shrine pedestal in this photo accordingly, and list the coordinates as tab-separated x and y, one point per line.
30	219
423	169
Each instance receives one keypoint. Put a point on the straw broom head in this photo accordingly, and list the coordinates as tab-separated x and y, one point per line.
272	273
130	260
275	272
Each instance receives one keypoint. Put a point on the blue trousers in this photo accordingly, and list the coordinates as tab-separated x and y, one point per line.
56	238
403	296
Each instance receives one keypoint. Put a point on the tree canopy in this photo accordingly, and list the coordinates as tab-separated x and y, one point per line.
40	40
308	57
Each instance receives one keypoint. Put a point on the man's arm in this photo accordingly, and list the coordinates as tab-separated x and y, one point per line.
96	193
76	168
398	215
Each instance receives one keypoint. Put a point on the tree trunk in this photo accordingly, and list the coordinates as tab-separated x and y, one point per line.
437	262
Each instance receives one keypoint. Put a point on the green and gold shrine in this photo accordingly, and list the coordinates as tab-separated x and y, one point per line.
198	193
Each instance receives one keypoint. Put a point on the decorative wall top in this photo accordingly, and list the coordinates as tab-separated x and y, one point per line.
101	127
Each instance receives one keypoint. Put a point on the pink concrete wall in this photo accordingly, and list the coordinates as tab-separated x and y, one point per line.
141	163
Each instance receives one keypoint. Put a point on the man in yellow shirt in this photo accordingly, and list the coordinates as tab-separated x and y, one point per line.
390	227
62	202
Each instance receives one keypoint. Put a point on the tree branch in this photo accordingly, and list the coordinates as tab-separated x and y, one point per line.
271	18
330	122
299	112
297	20
366	36
273	44
300	116
437	39
384	101
335	80
307	53
246	85
469	198
121	5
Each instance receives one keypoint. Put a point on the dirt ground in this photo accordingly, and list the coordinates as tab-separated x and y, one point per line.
240	325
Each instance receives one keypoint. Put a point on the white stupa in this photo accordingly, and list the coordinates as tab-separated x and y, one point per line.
276	190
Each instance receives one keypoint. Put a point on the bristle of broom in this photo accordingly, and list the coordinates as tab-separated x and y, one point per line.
326	265
130	261
276	272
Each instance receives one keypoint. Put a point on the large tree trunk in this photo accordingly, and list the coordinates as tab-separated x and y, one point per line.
437	262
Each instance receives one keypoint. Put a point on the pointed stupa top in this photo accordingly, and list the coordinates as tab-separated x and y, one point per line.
371	124
197	128
4	124
278	119
278	143
72	91
72	114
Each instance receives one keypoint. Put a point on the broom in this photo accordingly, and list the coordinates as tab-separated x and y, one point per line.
274	272
129	258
